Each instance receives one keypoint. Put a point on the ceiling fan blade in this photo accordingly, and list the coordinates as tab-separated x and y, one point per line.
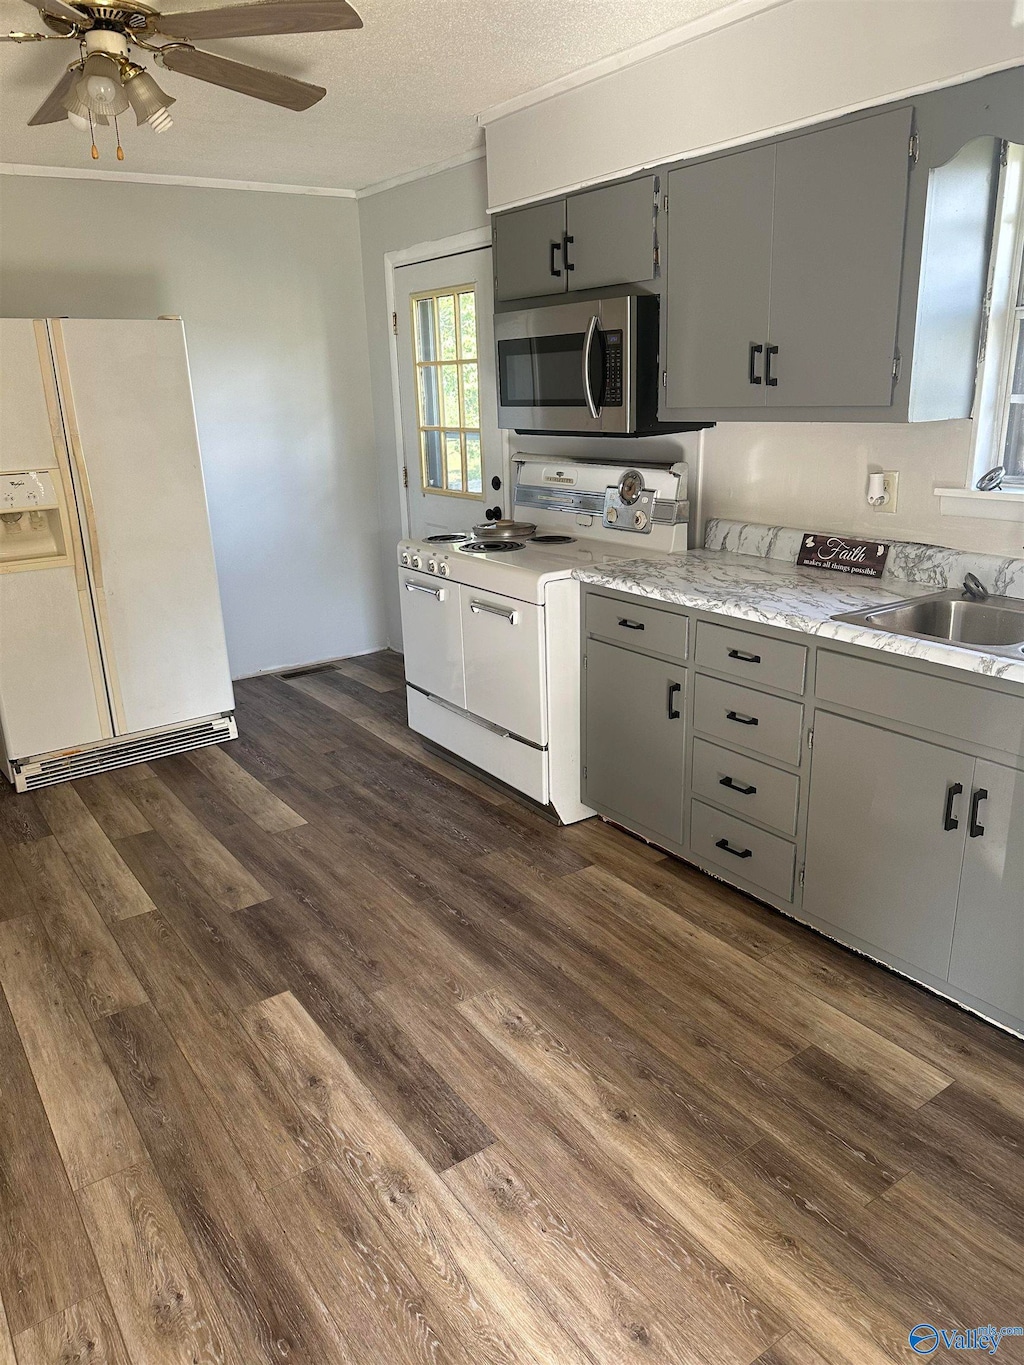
247	80
59	9
52	110
259	19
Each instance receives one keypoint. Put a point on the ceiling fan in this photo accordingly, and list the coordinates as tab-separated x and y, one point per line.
105	82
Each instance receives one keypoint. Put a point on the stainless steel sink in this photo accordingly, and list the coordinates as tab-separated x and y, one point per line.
995	626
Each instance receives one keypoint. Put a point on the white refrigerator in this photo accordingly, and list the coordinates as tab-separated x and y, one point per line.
112	643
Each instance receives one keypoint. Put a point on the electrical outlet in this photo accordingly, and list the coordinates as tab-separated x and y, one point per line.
891	482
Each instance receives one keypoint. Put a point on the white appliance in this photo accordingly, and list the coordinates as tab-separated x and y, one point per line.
491	628
111	639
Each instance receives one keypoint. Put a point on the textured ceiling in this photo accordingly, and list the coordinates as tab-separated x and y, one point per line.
403	92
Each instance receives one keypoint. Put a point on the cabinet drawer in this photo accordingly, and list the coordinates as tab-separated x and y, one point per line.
959	709
635	623
763	859
757	658
745	785
739	715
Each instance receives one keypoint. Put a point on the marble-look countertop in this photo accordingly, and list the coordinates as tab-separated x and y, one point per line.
773	592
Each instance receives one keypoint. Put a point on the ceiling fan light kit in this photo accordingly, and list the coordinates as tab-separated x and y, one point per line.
106	81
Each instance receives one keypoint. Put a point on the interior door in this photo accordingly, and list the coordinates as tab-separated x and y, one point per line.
885	839
127	400
528	245
634	738
718	280
454	452
840	206
988	944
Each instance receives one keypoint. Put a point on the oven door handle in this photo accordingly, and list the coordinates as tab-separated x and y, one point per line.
510	616
588	346
422	587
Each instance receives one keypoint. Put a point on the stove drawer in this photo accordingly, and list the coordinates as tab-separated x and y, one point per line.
503	649
432	636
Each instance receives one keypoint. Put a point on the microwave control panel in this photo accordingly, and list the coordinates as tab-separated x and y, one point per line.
612	395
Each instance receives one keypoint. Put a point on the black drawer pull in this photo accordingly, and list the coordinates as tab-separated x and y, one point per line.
673	711
735	786
949	820
736	852
973	828
769	378
555	246
741	720
631	625
755	351
746	658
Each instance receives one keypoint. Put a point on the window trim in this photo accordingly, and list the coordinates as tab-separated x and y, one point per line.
461	361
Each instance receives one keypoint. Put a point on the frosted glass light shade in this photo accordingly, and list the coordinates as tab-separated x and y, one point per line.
148	100
100	88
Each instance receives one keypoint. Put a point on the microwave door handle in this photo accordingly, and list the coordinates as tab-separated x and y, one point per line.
588	345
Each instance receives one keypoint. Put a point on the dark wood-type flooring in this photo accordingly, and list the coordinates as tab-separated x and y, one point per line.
315	1049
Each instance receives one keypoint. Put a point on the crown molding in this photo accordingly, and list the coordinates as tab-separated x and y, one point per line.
735	13
190	181
463	159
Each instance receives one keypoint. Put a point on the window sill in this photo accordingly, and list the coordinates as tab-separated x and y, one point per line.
999	505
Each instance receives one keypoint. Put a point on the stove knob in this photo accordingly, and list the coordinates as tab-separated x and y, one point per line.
443	569
612	514
404	559
431	566
639	520
417	563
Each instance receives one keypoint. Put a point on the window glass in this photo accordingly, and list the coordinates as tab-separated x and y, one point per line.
448	391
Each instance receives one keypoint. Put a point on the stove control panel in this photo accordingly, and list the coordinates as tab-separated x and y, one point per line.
636	516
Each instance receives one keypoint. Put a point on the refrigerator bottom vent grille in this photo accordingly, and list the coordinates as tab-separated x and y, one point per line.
143	748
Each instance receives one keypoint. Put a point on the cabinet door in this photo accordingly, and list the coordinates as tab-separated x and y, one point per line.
528	252
881	864
988	943
634	739
718	272
840	205
611	235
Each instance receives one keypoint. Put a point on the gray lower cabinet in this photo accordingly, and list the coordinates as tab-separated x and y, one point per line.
886	832
605	236
988	941
635	738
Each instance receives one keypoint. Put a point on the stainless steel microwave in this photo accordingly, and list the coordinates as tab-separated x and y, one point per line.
588	367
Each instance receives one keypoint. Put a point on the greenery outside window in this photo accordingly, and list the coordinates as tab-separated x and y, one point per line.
448	391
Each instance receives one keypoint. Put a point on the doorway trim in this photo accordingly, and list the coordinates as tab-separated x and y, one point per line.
473	240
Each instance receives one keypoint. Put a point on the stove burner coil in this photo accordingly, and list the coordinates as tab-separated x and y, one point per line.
448	538
553	540
496	547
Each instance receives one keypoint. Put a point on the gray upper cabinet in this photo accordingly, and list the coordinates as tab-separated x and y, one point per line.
593	239
719	254
634	739
837	253
783	272
528	246
988	944
885	839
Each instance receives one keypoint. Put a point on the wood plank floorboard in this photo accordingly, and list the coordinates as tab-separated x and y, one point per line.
318	1048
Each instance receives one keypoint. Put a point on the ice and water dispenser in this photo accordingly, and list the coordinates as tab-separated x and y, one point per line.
31	526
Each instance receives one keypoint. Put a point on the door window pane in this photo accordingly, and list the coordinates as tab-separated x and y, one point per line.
448	391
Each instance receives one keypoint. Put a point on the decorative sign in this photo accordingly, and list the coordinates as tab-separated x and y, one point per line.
842	554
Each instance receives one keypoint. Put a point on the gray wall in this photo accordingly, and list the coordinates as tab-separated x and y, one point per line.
270	288
426	210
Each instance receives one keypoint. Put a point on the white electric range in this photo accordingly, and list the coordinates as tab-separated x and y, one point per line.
492	628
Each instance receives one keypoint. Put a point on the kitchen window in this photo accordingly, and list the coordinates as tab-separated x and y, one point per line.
448	391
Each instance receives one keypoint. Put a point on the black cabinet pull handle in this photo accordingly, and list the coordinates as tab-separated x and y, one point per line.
746	658
631	625
567	242
555	270
736	852
973	828
755	351
949	820
736	786
741	720
673	712
769	378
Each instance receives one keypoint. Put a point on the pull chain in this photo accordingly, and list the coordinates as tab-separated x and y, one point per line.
117	134
92	134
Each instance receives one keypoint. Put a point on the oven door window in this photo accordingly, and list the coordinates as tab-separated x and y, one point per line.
542	372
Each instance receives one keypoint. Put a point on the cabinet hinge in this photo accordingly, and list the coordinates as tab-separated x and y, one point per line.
664	379
394	323
897	365
405	476
664	203
1004	152
584	770
810	739
801	879
657	255
914	150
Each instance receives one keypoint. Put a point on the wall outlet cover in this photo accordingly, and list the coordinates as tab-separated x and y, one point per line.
891	483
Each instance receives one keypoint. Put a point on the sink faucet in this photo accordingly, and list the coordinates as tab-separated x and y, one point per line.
974	588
